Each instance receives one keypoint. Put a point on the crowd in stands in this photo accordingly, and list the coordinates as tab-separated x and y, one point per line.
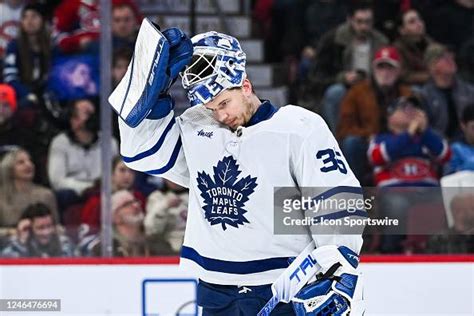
394	80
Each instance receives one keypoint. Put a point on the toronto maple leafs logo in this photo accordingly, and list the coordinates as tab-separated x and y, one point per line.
225	195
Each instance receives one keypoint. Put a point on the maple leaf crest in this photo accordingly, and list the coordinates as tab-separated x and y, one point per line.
224	194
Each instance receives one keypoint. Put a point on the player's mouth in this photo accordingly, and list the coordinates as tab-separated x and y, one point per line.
231	123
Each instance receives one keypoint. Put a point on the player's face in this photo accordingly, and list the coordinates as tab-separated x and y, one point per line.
233	107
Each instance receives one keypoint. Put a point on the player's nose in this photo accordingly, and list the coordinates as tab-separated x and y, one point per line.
221	116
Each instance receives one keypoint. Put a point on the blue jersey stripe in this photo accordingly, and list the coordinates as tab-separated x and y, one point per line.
337	190
234	267
171	162
155	147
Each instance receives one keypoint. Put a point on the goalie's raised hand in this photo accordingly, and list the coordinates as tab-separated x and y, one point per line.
157	60
180	54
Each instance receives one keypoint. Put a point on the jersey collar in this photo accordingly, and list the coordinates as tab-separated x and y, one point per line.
263	113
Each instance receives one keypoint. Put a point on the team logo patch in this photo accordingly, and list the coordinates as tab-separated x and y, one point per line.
225	195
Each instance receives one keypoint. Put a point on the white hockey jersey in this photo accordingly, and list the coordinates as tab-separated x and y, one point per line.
231	176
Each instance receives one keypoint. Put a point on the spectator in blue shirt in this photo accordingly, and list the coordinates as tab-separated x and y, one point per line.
463	150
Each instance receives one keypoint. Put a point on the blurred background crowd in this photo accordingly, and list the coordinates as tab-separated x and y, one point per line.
393	79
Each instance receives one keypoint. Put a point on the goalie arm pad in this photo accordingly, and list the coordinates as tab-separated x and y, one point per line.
338	288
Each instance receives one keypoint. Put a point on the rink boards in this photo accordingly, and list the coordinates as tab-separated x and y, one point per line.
394	285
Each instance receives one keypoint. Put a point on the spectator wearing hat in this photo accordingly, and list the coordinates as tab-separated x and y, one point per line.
463	149
445	93
38	236
363	109
129	239
123	178
12	135
7	102
27	57
412	44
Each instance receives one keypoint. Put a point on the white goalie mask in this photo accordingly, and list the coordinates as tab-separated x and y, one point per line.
218	64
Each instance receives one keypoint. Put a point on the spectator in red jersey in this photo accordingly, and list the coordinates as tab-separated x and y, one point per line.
122	179
410	152
76	25
407	156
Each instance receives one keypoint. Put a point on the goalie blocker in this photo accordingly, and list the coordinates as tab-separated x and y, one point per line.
320	282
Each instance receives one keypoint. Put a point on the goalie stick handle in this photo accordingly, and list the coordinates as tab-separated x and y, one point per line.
292	280
269	306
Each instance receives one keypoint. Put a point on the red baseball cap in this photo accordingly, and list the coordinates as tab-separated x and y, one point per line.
8	95
387	54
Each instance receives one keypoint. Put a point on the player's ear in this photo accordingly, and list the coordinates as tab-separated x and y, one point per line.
247	87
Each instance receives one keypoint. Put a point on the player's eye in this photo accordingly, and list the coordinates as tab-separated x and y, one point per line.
223	104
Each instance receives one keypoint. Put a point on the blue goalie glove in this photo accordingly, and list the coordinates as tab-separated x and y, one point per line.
157	60
180	54
337	291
